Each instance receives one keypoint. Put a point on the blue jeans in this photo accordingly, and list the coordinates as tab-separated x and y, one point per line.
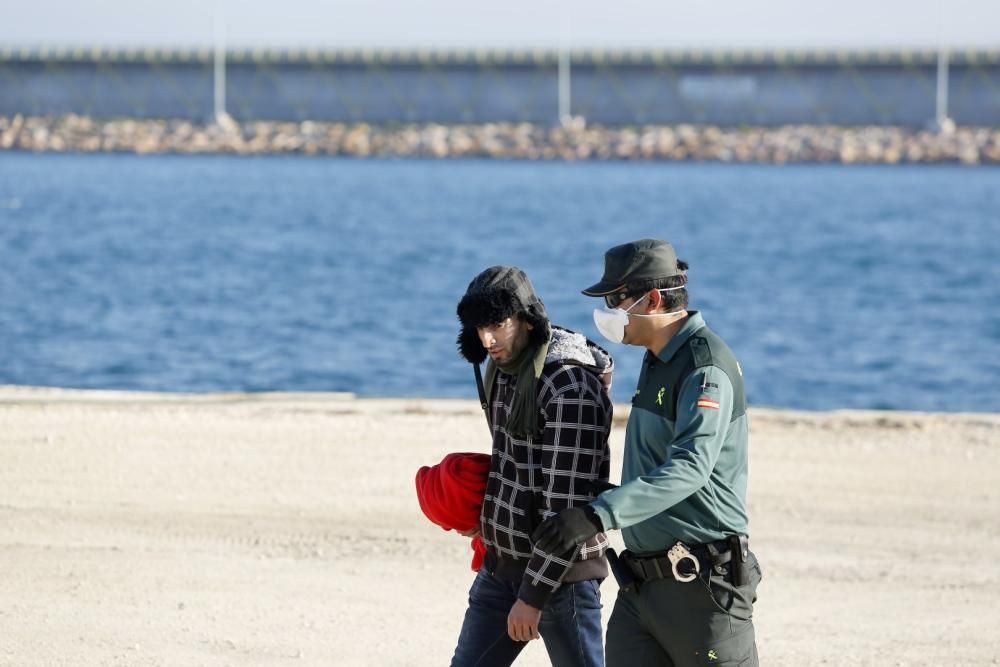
570	625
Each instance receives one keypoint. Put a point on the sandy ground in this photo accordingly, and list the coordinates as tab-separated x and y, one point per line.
283	529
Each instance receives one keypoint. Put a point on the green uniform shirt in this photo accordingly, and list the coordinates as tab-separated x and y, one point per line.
684	476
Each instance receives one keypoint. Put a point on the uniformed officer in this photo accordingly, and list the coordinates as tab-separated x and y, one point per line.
687	579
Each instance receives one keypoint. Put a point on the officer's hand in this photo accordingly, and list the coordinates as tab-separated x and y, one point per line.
560	533
522	622
597	487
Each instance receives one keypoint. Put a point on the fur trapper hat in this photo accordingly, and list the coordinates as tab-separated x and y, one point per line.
494	295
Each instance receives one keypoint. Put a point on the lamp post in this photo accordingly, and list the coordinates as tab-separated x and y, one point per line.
565	91
219	78
941	120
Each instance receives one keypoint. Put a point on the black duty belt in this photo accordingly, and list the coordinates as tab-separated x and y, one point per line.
684	562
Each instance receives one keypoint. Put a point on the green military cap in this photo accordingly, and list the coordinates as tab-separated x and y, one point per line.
645	259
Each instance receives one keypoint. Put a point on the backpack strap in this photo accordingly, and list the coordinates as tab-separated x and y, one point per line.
484	402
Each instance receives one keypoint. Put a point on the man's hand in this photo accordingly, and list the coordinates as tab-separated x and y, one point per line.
522	622
597	487
471	533
560	533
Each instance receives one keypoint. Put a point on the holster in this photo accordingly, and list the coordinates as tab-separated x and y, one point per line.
739	547
623	575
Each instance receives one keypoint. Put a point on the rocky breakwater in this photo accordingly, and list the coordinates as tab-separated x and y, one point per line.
577	141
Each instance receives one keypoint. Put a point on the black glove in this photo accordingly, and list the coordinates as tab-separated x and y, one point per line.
597	487
560	533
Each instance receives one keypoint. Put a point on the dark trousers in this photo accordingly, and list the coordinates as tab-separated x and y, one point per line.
570	625
667	623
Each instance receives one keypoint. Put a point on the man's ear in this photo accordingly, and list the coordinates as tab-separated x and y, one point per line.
655	301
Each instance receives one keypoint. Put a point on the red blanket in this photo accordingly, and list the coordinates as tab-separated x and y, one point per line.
451	495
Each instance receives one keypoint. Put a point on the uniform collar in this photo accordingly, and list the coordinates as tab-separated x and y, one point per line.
693	322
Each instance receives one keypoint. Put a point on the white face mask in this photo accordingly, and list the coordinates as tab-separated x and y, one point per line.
611	321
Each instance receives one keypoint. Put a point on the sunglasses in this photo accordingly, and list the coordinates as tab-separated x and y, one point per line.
614	300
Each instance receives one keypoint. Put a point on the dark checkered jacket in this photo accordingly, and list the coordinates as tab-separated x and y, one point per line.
533	479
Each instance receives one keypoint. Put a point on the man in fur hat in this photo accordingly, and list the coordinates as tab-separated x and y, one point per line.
547	406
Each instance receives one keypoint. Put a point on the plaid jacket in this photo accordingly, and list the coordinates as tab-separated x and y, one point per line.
533	479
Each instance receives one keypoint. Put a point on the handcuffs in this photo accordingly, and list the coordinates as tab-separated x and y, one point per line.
678	554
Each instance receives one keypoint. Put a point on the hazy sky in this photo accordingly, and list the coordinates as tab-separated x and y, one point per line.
505	23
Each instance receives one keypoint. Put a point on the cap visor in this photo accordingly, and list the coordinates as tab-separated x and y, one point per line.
602	288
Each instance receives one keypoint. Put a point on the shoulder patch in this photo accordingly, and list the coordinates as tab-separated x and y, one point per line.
707	402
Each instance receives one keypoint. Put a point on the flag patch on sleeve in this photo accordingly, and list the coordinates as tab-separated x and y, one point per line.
707	402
